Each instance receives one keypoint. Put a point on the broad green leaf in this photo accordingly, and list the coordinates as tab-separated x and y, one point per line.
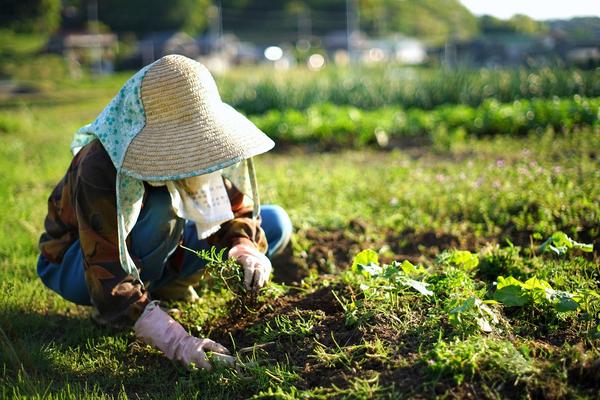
465	306
411	270
508	281
563	301
511	295
566	304
366	258
536	283
460	258
560	243
419	286
539	290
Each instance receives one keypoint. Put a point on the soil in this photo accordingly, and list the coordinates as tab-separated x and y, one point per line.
331	250
331	331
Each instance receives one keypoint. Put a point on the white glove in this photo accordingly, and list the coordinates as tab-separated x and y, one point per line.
155	327
257	267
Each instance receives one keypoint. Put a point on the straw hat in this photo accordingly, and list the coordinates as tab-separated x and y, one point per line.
188	130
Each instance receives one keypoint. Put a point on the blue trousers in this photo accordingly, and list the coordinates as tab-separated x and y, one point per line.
149	244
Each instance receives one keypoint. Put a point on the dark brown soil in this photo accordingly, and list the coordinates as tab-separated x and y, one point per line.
330	250
235	331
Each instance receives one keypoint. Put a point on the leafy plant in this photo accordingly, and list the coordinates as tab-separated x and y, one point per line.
366	263
347	126
476	309
514	293
560	244
296	326
375	87
462	259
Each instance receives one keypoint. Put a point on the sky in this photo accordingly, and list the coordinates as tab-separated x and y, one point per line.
537	9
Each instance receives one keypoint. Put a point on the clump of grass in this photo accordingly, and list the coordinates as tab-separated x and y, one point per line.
225	274
496	260
15	122
490	359
296	326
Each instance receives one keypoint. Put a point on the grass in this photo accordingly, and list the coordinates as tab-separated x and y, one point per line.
336	333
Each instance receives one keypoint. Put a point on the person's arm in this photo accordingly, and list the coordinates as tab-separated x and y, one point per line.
245	239
242	229
116	295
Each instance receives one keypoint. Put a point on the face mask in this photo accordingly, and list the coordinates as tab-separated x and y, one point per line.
202	199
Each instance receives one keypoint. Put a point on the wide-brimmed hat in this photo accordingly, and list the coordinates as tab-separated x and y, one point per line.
188	129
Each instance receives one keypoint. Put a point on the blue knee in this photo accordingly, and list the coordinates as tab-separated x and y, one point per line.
277	226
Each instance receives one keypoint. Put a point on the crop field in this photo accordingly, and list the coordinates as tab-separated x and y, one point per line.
443	246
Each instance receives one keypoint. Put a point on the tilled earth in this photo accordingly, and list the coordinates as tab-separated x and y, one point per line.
404	369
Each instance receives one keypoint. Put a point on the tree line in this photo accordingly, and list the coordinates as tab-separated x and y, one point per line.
434	20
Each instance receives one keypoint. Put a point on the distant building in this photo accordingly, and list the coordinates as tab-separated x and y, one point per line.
97	51
513	49
219	53
159	44
501	50
397	48
584	55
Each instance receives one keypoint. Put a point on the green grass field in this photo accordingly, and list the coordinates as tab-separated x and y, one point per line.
375	329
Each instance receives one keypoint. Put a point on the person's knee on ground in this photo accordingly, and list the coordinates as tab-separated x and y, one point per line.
278	228
180	289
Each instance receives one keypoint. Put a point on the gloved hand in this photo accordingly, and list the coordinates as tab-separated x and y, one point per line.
257	267
155	327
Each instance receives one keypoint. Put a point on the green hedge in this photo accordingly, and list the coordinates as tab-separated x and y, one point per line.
258	91
331	125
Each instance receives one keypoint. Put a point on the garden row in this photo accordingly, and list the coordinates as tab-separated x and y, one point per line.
260	90
335	126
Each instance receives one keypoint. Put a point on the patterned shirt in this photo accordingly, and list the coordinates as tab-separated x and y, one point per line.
83	206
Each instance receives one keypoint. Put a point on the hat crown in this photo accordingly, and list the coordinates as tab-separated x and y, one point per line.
188	130
177	89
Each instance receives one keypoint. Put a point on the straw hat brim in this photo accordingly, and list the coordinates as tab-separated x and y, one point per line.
195	145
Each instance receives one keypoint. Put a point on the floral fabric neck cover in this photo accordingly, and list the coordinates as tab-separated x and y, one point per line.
115	127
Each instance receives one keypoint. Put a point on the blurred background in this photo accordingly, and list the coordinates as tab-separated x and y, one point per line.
75	37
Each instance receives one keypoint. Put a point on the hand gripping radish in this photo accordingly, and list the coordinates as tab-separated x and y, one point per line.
155	327
257	267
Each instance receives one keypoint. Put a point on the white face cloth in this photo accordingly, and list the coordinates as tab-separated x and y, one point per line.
202	199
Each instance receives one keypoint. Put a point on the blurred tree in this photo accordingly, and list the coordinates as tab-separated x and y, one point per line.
32	16
434	20
143	16
518	23
524	24
578	28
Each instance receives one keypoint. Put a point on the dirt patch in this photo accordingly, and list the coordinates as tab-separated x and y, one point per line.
329	330
236	324
333	249
330	250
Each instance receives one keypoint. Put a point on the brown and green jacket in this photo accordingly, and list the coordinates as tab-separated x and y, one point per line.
83	206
